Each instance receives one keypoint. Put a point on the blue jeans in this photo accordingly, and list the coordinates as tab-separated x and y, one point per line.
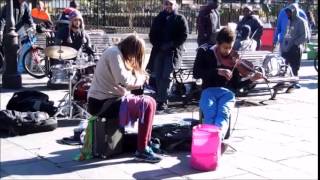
163	67
216	104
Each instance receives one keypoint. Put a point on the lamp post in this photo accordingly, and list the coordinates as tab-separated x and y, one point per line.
10	79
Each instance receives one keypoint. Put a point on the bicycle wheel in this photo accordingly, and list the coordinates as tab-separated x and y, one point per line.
34	62
315	61
2	63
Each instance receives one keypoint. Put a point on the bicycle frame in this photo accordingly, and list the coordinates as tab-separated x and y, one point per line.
27	42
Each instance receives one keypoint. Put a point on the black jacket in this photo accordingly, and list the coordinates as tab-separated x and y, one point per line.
175	30
205	67
21	15
255	25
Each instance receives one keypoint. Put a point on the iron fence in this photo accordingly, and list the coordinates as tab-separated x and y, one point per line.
137	15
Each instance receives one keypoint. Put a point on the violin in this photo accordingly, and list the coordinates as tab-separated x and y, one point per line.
234	61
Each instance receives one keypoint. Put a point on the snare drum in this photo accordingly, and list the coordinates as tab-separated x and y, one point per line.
81	88
60	73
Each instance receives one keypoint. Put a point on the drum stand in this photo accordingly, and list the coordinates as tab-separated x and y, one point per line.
67	107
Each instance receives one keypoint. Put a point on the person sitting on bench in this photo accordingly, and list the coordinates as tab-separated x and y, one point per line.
244	42
219	81
121	69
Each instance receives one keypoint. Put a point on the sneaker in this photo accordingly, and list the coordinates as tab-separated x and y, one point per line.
147	156
155	144
297	86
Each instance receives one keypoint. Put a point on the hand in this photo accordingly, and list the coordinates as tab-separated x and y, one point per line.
274	47
121	90
256	76
225	73
34	26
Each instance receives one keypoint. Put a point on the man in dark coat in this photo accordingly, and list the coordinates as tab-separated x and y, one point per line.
254	22
208	23
168	32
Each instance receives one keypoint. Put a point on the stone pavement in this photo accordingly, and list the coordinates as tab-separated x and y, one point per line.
274	139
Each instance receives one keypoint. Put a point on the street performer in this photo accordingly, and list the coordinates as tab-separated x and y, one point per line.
220	69
121	69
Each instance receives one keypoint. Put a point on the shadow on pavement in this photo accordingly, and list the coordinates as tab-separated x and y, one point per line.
182	168
60	163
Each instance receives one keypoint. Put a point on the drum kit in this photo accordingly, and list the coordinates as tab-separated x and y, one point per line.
79	72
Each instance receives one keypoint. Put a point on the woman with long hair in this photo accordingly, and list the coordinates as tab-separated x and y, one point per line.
121	69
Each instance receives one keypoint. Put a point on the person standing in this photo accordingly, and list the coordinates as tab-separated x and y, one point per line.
282	22
121	69
168	32
220	79
41	16
208	22
244	42
295	36
254	22
21	15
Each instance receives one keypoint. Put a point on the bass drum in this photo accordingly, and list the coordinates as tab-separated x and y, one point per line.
274	65
81	89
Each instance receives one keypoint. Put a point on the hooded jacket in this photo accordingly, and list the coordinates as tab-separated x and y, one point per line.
66	35
282	22
296	32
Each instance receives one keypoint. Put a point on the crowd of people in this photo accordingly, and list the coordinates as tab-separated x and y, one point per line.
123	67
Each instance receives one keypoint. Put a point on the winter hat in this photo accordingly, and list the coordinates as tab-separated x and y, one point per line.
248	7
76	14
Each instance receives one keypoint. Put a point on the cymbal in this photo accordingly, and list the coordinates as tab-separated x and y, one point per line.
60	52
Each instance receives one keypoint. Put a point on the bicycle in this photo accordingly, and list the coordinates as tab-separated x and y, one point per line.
32	56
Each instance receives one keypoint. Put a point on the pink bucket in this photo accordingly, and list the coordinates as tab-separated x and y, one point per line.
206	147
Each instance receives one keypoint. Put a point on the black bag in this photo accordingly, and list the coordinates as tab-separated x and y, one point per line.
107	134
25	101
20	123
175	136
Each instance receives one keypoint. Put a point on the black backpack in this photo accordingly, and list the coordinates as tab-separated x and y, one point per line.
29	100
20	123
175	136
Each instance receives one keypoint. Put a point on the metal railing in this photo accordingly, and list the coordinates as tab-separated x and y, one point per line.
137	15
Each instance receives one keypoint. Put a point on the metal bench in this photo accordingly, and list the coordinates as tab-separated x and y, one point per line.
98	38
186	86
273	67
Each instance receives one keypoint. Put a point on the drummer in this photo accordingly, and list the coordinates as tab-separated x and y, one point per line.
75	35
